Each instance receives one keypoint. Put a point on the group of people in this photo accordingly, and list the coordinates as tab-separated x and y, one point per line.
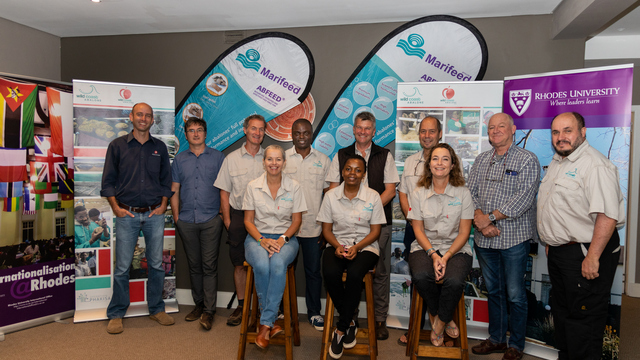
272	202
36	252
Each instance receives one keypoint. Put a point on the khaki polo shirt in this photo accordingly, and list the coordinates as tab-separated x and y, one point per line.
237	170
310	173
351	219
573	191
273	216
390	171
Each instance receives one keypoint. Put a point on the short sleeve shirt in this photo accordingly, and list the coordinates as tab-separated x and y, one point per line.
573	191
273	216
310	173
237	170
390	171
441	215
352	219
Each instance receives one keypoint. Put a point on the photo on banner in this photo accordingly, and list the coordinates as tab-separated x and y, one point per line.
463	109
36	187
101	112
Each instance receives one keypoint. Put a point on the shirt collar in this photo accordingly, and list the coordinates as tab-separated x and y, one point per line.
366	151
286	185
294	152
207	150
575	154
447	191
243	150
131	137
342	196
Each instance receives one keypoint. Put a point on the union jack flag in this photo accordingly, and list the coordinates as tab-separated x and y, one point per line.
49	166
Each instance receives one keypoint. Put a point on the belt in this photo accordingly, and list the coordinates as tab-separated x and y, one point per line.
569	243
139	209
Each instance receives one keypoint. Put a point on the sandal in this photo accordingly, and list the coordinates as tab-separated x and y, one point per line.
452	331
437	340
404	337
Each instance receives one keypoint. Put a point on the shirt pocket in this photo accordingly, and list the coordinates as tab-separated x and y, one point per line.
429	219
317	175
290	170
238	179
568	192
153	165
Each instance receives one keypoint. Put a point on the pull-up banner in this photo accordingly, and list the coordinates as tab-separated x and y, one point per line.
265	74
432	48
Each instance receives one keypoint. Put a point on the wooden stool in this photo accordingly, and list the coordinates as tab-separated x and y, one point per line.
291	326
460	349
370	349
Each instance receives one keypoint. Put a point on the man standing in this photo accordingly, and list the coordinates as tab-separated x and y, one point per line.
309	167
195	205
238	169
503	184
88	234
137	183
379	161
579	208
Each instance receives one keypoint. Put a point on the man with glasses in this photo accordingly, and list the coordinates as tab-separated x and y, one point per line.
504	183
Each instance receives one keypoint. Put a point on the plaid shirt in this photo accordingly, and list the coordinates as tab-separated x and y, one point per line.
509	185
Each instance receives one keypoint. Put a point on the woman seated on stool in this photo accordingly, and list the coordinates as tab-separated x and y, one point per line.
351	217
441	213
273	206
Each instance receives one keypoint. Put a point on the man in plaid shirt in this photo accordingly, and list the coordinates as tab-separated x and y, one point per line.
504	182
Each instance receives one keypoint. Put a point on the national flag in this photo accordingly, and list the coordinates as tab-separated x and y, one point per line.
66	204
48	165
61	118
66	197
11	189
30	203
65	186
11	204
50	201
13	165
41	116
17	109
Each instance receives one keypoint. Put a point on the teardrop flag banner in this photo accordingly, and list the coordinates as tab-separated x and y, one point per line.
431	48
266	74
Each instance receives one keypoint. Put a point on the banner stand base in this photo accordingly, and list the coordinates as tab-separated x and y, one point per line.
1	336
141	309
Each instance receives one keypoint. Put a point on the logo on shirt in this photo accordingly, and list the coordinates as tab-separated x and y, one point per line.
317	164
287	197
368	207
455	202
572	174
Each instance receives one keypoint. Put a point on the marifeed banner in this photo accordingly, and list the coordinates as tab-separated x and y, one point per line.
265	74
429	49
603	96
463	109
101	112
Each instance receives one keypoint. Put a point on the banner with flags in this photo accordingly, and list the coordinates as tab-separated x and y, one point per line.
49	166
13	165
61	120
17	109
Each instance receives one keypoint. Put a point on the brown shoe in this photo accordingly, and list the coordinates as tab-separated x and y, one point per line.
115	326
195	313
487	347
206	319
513	354
163	319
236	317
275	330
381	330
262	339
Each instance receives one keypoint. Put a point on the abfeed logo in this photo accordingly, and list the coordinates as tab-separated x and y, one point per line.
520	100
250	60
412	46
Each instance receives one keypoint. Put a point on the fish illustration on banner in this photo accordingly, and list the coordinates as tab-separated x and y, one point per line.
431	48
265	74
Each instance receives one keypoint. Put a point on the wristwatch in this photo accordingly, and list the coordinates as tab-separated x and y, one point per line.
492	218
286	238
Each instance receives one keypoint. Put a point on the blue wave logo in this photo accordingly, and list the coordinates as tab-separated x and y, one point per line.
250	59
368	207
93	88
412	46
455	202
415	91
572	174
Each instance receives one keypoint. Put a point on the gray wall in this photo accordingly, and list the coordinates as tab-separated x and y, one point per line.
517	45
27	51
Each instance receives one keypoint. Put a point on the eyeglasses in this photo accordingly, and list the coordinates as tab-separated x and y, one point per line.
193	131
499	175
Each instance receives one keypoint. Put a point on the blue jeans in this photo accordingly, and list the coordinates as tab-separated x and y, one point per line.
503	272
127	231
311	254
270	274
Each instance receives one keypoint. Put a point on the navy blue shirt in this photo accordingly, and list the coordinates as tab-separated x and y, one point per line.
136	174
199	199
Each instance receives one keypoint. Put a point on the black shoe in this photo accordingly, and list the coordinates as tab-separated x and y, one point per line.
206	320
195	313
381	330
349	339
236	317
335	350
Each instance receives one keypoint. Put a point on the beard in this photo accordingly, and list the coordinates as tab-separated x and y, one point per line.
568	152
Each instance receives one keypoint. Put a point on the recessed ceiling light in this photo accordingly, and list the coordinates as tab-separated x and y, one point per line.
96	1
620	29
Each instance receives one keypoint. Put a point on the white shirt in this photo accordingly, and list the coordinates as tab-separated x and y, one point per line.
310	173
573	191
390	171
237	170
413	171
273	216
351	219
441	215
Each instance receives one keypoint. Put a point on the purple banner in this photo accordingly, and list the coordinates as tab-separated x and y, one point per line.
31	292
603	97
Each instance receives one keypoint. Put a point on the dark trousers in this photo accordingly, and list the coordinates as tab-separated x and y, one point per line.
237	234
311	255
202	245
441	300
580	306
345	296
